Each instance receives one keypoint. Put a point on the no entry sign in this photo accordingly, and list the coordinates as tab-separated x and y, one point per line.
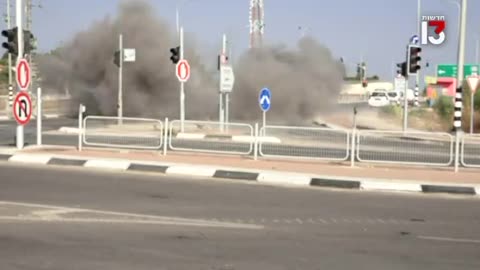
23	74
183	70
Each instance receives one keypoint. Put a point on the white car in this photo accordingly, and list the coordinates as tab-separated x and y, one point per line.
379	99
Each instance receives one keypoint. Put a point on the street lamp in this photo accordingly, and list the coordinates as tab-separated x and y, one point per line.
459	18
177	15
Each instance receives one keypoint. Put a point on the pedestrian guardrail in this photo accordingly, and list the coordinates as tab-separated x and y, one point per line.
115	132
470	150
211	137
415	148
304	143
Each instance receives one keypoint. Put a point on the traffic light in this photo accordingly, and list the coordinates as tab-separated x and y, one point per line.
175	58
413	58
28	41
12	40
402	69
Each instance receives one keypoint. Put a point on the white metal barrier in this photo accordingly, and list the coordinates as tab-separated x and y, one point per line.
211	137
304	143
470	150
414	148
125	132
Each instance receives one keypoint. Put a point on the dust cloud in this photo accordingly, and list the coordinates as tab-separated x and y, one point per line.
304	81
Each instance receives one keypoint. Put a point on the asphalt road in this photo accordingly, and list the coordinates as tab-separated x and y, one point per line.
77	219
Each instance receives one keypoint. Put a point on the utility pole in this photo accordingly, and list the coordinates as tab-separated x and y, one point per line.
182	87
18	18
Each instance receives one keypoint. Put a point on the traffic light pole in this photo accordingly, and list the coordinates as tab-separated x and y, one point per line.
457	122
120	80
405	106
182	87
221	100
18	18
10	80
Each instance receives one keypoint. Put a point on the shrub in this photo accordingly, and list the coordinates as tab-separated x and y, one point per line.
444	106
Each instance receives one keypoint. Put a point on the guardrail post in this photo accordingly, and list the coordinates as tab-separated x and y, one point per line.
255	143
165	137
457	148
81	110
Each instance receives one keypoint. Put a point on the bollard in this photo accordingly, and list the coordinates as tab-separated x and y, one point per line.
81	110
39	116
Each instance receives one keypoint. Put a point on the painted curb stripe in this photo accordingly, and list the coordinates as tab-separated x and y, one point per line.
248	176
107	164
284	179
147	168
34	159
5	157
448	189
335	183
191	170
66	162
374	185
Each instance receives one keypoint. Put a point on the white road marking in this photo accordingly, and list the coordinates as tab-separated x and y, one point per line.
448	239
323	221
299	221
161	219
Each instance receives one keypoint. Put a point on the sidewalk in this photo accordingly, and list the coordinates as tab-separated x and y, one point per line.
361	171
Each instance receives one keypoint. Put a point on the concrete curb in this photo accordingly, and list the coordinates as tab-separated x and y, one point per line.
265	177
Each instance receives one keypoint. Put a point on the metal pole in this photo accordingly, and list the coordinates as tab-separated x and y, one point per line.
81	110
220	110
477	48
182	87
165	138
227	100
120	80
222	100
255	143
39	116
352	152
405	107
472	111
419	16
10	78
18	18
458	96
264	124
177	19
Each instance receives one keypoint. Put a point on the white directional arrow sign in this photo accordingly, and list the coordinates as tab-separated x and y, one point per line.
264	99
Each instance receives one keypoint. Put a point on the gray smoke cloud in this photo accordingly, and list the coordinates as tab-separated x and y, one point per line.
304	81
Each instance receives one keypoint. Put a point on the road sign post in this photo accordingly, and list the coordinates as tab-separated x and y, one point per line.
264	101
39	116
19	22
182	70
473	82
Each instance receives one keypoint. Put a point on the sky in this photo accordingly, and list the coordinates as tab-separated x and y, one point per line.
376	31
